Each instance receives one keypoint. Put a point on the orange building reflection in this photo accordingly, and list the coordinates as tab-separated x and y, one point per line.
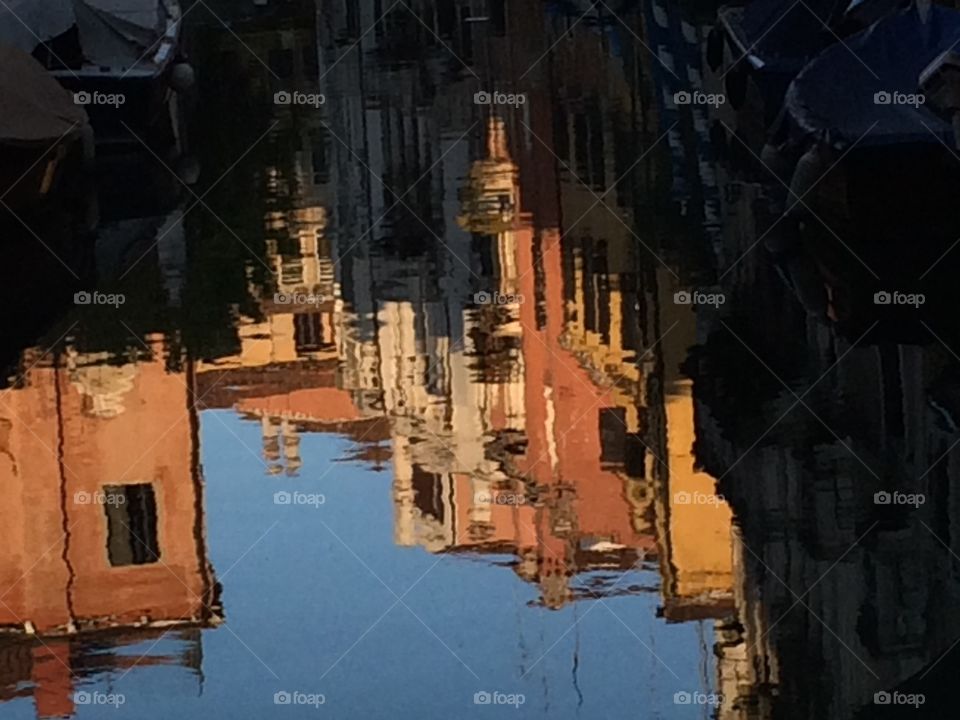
103	515
586	465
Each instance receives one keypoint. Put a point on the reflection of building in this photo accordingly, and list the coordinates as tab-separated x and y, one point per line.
286	374
103	517
878	583
527	436
46	671
490	199
695	523
539	393
288	399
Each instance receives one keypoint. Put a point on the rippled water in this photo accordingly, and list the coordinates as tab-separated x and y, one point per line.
462	381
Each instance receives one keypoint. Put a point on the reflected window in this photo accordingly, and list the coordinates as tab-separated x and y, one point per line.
308	332
613	435
465	49
630	315
539	283
352	11
291	272
446	19
131	524
428	492
636	456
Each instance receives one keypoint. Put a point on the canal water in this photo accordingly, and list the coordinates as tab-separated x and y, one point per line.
433	361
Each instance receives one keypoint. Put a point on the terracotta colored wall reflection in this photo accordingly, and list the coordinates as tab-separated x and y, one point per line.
33	574
72	431
53	681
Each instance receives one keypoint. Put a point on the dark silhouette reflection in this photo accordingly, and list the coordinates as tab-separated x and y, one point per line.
833	573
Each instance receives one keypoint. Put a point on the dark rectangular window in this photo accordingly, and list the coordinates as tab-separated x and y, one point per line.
635	456
353	18
131	524
539	283
589	297
308	332
446	19
630	317
464	48
428	492
613	435
498	18
603	306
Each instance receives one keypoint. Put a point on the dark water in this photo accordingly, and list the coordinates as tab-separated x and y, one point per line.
399	410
